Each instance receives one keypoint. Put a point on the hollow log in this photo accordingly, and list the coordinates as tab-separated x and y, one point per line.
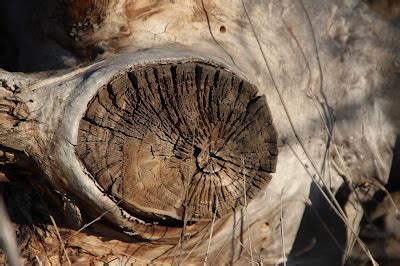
203	132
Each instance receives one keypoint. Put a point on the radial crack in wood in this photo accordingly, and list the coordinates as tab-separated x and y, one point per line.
179	141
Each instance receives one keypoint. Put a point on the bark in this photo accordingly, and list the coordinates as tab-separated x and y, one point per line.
169	140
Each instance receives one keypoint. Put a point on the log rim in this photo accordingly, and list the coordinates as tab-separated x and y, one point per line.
77	179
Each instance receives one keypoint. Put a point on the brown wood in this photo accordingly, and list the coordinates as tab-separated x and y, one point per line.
389	9
179	141
329	71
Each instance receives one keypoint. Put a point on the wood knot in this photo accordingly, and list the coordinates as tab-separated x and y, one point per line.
182	140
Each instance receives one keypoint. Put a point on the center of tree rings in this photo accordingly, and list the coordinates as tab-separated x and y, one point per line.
181	140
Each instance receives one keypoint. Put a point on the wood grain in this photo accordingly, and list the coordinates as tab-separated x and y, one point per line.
179	141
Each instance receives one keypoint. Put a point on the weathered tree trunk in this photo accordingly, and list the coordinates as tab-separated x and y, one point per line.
204	132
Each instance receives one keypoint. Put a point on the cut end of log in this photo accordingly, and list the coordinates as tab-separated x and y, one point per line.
179	141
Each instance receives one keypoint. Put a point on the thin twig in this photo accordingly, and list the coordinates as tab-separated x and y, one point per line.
86	226
194	247
243	246
7	238
330	199
338	213
181	238
212	35
226	242
211	234
247	217
39	263
327	228
59	238
282	236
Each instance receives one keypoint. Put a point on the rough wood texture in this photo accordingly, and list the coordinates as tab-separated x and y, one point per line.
388	8
183	140
329	70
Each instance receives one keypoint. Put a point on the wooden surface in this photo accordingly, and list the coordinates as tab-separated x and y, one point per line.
182	140
328	70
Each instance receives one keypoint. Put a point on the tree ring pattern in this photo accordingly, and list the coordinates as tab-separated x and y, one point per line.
181	140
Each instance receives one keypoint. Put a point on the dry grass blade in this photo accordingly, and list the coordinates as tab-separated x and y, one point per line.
339	212
328	196
282	236
39	263
247	217
7	239
85	226
212	35
193	248
60	239
209	240
236	224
